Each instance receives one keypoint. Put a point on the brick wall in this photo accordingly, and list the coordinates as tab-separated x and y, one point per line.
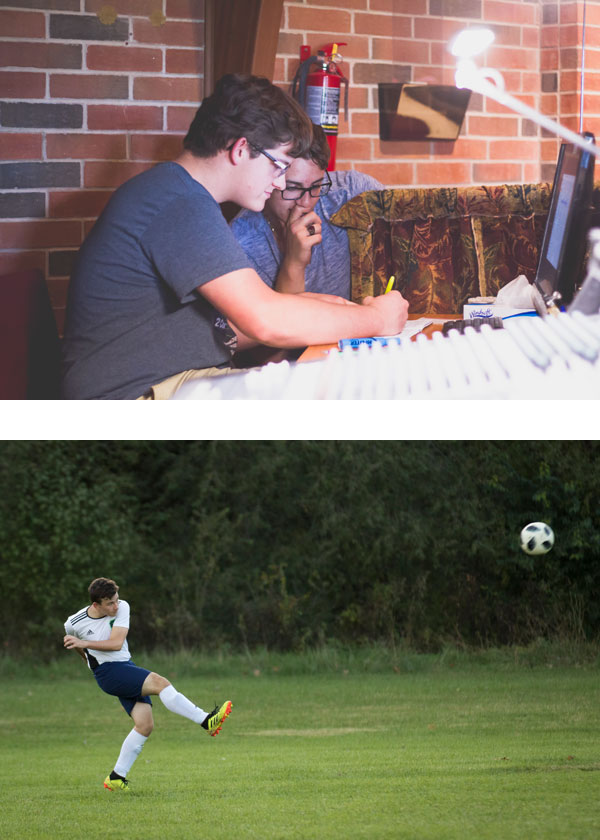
537	49
91	94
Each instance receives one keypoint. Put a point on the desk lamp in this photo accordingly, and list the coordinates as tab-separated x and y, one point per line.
489	82
471	42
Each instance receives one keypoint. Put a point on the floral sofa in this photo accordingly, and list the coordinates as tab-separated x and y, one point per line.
447	244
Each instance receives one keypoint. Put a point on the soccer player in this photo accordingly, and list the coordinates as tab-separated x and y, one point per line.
99	635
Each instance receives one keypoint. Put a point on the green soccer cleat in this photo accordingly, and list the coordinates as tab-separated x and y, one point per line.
214	720
116	784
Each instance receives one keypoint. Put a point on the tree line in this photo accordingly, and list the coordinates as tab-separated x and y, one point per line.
291	544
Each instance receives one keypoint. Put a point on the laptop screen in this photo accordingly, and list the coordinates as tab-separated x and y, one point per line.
563	246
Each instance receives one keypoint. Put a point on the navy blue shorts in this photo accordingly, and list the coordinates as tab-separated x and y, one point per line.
123	680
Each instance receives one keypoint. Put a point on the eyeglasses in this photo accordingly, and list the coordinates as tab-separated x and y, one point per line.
315	190
281	166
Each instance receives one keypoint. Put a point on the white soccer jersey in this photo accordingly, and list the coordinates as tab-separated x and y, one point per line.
98	630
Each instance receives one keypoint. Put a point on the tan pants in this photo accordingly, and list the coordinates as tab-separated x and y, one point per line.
165	389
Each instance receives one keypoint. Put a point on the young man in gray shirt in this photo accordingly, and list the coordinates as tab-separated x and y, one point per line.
162	292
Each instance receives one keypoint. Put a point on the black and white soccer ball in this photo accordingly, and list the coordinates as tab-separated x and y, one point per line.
537	538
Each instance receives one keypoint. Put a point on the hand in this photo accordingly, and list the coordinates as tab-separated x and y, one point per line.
71	642
303	232
393	310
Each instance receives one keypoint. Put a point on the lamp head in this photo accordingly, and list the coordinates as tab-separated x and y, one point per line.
471	42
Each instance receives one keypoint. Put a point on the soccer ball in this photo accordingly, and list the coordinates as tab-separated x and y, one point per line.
537	538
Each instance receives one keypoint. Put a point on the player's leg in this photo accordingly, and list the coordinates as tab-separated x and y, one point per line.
180	705
141	714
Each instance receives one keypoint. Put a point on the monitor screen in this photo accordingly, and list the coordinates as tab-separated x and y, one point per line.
421	112
563	246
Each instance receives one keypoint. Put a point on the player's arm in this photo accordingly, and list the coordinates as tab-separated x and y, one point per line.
114	642
302	233
263	315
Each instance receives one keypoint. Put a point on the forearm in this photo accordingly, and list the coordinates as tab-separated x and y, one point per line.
107	645
296	321
290	278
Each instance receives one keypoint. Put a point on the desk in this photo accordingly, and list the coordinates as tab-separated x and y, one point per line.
318	351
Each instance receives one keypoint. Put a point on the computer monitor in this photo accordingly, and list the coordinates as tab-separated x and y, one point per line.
559	270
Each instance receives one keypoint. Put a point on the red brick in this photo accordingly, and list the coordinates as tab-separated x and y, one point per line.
517	11
155	147
514	150
353	148
87	86
531	173
400	7
21	147
358	97
401	50
185	61
171	33
438	29
110	175
289	43
339	4
464	147
137	59
548	59
179	119
568	11
168	89
42	234
189	9
19	85
322	21
497	173
124	118
371	24
77	204
22	24
512	58
365	123
488	126
389	174
443	173
36	54
86	146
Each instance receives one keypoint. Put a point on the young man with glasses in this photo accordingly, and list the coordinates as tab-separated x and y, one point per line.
162	292
292	244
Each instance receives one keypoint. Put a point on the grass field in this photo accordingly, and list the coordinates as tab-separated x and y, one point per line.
442	750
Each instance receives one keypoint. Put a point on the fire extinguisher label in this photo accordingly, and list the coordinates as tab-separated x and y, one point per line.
322	105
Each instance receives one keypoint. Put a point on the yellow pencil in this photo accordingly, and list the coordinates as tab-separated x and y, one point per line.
388	288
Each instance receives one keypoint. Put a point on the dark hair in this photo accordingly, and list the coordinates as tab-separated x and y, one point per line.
102	588
319	151
251	107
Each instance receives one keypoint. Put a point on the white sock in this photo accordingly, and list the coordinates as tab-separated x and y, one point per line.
178	703
132	747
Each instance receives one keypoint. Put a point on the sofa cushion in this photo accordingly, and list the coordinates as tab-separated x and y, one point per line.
444	244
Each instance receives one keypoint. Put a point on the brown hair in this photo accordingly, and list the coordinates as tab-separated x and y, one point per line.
250	107
102	588
319	151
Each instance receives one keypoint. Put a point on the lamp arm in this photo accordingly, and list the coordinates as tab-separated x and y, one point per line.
468	75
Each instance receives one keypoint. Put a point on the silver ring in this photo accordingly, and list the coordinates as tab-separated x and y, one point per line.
310	229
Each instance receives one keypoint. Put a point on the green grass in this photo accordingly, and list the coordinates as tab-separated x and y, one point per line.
452	746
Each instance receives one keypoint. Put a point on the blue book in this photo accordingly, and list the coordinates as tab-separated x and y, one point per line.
355	342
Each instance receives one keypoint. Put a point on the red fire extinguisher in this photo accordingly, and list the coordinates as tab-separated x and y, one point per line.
318	90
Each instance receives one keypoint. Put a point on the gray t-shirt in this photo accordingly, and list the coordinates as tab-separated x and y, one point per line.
134	316
329	269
